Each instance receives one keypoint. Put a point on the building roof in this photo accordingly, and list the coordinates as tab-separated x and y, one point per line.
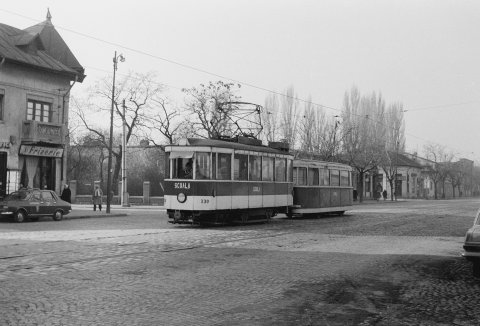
40	46
404	160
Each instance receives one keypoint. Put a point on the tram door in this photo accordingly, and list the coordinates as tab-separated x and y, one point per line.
3	174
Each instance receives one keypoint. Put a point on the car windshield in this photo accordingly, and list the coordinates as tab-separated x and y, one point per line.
17	195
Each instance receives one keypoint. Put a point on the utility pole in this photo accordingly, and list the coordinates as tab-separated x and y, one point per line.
125	199
110	142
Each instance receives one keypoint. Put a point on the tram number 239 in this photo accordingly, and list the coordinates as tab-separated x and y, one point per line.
204	201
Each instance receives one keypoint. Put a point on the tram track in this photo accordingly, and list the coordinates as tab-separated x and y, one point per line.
16	266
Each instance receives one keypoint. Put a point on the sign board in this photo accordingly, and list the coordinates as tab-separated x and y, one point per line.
41	151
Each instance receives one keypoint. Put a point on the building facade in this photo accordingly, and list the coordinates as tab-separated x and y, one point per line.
415	178
37	72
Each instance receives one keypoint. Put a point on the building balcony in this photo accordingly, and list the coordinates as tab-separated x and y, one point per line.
37	131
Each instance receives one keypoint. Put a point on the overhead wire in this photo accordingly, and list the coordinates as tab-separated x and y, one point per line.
187	66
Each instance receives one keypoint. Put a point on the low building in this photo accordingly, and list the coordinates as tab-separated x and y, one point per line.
37	72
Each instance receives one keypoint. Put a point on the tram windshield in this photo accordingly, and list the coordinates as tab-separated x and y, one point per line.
182	168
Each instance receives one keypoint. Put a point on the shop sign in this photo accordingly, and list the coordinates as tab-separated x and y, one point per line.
41	151
5	144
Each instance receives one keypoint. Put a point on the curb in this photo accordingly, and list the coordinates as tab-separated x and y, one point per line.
103	215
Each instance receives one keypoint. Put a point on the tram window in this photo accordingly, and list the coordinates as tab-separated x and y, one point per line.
202	161
290	170
240	167
344	179
267	168
168	173
224	166
324	177
334	178
182	168
295	172
302	176
255	168
313	177
280	169
214	166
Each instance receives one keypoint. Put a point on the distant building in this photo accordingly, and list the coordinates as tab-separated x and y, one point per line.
415	178
37	72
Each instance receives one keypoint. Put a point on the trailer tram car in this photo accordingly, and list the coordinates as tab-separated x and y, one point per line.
321	187
211	181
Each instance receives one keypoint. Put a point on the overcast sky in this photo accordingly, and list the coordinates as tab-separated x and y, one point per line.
425	54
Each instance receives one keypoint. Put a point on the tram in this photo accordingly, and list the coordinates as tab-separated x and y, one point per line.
219	182
321	187
210	181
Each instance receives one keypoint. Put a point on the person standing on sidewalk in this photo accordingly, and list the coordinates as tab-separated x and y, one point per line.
66	194
97	198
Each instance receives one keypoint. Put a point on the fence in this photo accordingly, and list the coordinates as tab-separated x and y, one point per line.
145	199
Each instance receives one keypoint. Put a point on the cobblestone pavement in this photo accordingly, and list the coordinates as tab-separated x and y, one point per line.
381	264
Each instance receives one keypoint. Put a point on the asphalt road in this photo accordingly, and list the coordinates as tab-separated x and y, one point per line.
381	264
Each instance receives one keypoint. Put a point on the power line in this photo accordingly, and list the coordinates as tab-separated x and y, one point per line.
187	66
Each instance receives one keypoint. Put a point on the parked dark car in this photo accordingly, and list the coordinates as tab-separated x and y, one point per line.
33	203
472	245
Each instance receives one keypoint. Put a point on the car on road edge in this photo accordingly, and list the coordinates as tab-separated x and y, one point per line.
472	245
32	204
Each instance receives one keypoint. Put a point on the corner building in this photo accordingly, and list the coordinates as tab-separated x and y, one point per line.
37	72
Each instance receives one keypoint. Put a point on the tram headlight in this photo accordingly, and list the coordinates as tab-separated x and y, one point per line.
181	197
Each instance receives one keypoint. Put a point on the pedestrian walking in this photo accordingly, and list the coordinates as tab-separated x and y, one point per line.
384	193
97	198
66	194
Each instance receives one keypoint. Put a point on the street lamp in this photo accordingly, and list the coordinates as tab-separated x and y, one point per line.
110	144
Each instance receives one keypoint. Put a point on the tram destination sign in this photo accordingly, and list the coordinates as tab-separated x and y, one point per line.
40	151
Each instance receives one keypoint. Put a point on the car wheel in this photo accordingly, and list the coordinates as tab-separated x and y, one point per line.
58	215
476	268
19	217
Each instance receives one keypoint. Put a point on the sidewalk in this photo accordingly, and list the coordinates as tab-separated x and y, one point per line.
86	211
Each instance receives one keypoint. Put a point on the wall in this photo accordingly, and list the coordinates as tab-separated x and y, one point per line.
20	83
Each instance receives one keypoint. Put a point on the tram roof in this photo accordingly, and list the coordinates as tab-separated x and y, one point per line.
199	142
316	163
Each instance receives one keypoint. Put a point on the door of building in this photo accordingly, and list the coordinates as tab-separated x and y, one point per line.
398	186
3	174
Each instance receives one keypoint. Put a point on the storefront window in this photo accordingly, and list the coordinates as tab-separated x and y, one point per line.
38	172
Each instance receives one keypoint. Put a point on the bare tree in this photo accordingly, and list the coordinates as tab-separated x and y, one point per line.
289	105
439	169
394	144
167	121
362	133
270	117
209	106
135	91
